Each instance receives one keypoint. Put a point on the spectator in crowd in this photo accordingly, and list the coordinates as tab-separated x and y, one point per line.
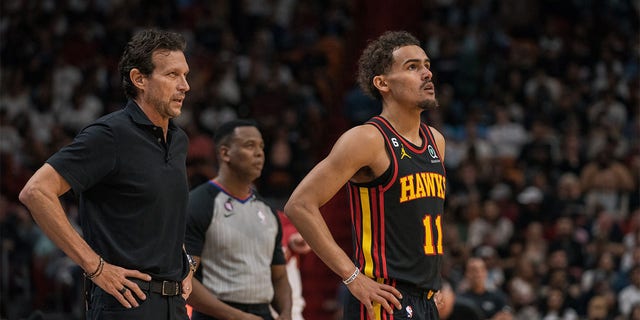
605	270
506	136
536	246
606	235
635	312
608	110
606	183
493	303
630	295
568	199
491	228
565	239
631	242
541	151
532	208
559	274
542	91
555	307
83	107
572	157
523	287
598	309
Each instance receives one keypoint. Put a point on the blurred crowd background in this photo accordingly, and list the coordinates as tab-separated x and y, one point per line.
539	104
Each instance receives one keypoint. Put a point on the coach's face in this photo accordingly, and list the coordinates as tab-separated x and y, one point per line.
166	87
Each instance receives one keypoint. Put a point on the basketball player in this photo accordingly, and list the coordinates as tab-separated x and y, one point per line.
394	167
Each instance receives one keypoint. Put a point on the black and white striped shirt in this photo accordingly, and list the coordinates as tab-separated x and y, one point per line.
238	240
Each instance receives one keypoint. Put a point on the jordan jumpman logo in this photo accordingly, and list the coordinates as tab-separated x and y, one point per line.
404	153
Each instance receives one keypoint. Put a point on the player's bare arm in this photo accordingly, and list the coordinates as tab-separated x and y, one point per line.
357	151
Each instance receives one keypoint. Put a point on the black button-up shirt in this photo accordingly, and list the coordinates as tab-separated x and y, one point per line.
133	190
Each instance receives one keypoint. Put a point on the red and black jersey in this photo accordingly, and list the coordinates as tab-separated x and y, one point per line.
397	218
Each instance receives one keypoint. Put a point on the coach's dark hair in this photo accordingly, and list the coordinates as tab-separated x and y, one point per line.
225	130
138	53
377	58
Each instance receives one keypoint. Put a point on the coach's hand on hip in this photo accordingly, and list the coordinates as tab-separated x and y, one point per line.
113	280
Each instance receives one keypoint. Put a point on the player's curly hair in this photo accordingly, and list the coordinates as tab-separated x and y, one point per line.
377	58
138	53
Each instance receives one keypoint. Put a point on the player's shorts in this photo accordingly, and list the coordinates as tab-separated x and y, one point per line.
417	304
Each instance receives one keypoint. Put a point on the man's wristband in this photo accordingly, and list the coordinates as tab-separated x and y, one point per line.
193	265
97	272
352	277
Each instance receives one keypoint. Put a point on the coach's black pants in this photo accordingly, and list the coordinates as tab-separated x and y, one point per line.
104	306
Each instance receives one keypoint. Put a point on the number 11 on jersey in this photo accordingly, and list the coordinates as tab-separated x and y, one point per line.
432	247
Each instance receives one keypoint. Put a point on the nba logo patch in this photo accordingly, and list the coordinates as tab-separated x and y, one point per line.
228	205
409	311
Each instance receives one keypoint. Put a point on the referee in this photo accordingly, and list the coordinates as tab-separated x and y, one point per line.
235	237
